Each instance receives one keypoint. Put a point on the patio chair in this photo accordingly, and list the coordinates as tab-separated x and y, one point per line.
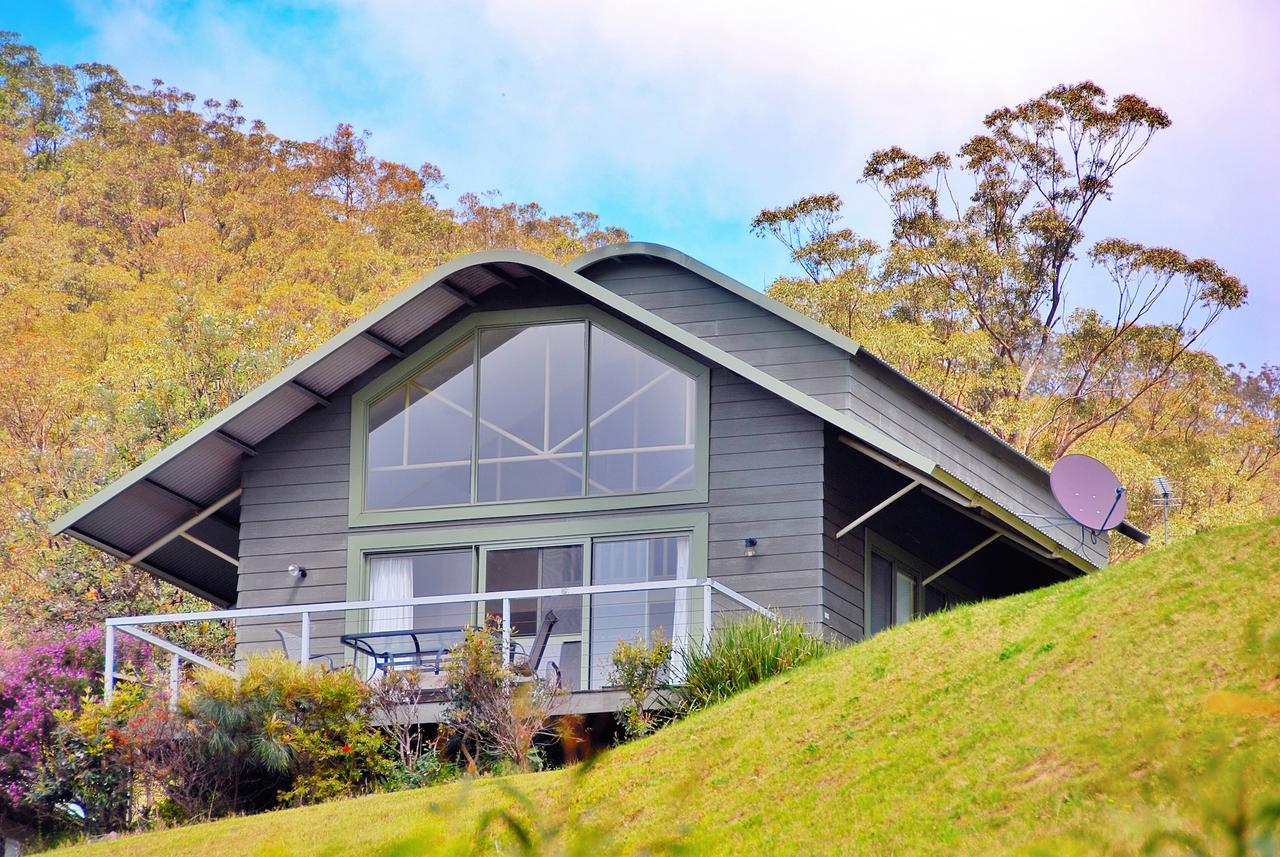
527	666
292	645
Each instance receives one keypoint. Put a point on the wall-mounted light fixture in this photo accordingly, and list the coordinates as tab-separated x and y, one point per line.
297	571
749	547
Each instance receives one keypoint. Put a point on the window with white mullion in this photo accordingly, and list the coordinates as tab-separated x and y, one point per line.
532	412
419	445
642	432
532	384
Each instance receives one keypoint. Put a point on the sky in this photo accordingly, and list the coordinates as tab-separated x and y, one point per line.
679	121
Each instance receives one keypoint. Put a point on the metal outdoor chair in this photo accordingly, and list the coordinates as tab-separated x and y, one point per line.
292	645
527	666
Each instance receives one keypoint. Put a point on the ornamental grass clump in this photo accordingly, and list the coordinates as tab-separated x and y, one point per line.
744	652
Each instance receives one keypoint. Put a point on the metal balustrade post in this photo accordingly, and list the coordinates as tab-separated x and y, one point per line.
109	664
506	629
304	649
175	676
706	615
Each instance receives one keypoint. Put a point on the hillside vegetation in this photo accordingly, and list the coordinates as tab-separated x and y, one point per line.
1079	718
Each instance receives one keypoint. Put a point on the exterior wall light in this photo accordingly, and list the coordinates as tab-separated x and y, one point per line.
749	546
297	571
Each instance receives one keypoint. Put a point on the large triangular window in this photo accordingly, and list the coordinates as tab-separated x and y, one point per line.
532	412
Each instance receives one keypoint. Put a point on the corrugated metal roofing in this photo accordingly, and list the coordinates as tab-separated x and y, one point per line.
133	513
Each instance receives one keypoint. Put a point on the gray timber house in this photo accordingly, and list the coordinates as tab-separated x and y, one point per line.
633	440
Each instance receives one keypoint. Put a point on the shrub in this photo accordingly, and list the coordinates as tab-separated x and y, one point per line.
494	716
640	668
282	734
742	653
43	675
90	764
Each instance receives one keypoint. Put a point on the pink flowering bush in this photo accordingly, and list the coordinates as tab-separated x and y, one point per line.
44	674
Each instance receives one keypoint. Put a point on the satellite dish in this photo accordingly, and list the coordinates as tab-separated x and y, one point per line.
1088	492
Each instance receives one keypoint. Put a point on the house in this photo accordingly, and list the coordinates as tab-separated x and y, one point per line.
632	441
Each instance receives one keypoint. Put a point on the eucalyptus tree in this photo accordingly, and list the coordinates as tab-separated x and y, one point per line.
971	294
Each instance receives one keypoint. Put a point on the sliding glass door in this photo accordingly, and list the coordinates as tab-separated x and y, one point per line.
621	616
587	628
399	576
541	567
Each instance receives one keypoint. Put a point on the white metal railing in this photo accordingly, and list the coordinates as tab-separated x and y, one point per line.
131	624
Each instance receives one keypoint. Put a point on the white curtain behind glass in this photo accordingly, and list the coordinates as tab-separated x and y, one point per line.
626	615
680	633
390	578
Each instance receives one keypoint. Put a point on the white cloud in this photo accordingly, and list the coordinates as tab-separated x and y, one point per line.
686	118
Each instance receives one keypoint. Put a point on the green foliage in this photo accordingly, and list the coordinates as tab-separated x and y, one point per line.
282	734
745	652
918	741
90	764
640	667
428	768
494	717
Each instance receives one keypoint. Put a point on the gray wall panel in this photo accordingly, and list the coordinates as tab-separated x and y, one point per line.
766	463
857	385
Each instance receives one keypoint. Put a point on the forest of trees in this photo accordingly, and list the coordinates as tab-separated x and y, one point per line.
160	256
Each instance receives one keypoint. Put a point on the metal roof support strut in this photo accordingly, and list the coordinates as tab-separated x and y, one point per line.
879	507
181	529
970	552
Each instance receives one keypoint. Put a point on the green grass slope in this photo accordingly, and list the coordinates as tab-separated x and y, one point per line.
1074	719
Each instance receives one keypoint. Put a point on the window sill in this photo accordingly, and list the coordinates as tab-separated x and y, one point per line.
566	505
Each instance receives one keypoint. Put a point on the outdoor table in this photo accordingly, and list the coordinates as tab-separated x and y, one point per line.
378	647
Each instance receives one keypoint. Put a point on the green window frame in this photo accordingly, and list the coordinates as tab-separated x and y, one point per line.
908	565
472	326
483	538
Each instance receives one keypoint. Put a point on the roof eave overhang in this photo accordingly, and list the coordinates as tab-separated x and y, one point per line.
670	254
858	429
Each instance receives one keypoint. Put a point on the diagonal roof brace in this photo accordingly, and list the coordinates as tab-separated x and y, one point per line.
970	552
879	507
182	528
220	554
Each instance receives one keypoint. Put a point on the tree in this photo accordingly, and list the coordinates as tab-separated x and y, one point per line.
971	296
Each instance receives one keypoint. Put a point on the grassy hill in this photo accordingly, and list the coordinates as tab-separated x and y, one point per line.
1075	719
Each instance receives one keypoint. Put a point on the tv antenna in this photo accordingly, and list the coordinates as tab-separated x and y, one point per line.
1165	498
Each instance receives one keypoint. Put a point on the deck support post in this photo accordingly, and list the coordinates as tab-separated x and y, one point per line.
506	630
175	676
109	664
706	615
304	648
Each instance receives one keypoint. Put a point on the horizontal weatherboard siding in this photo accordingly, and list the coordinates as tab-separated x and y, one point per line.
854	384
765	463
